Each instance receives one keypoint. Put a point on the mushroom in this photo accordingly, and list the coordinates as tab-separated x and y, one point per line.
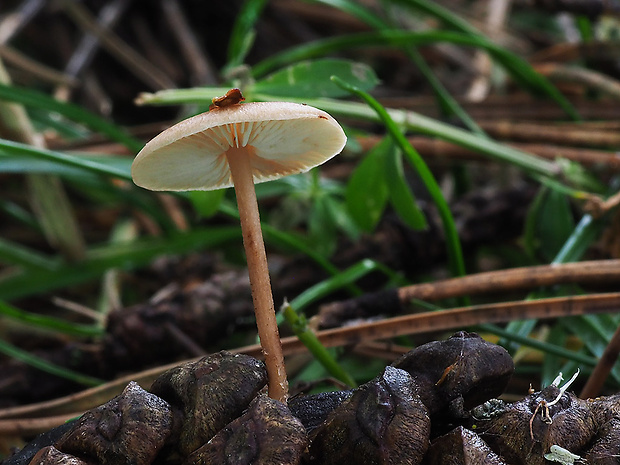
235	144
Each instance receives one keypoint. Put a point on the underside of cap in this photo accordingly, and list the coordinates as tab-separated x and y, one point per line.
281	138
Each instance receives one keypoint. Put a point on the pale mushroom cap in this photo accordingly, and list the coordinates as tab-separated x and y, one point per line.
282	138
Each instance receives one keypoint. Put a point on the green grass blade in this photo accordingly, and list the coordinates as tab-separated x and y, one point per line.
402	198
367	190
17	149
519	69
193	95
418	123
299	324
585	233
49	323
446	16
84	173
48	367
12	163
343	279
243	33
37	99
446	101
19	214
99	259
354	9
539	345
548	224
13	253
595	333
531	164
310	78
338	44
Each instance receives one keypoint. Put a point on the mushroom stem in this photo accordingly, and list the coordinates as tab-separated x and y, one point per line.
241	171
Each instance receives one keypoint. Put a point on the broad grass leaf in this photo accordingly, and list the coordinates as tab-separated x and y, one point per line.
321	227
41	101
10	163
244	32
401	197
367	193
312	79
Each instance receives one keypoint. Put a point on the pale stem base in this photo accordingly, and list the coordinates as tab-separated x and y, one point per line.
260	283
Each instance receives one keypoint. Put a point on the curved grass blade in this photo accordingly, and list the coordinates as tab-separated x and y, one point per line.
354	9
544	347
310	78
446	101
453	243
48	367
100	259
17	157
415	122
514	67
18	149
193	95
243	33
12	163
595	331
401	197
367	190
36	99
318	291
49	323
585	233
343	279
16	254
441	13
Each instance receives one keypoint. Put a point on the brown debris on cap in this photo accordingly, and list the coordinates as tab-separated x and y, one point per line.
232	97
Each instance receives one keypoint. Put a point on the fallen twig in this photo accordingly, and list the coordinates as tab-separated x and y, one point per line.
394	301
